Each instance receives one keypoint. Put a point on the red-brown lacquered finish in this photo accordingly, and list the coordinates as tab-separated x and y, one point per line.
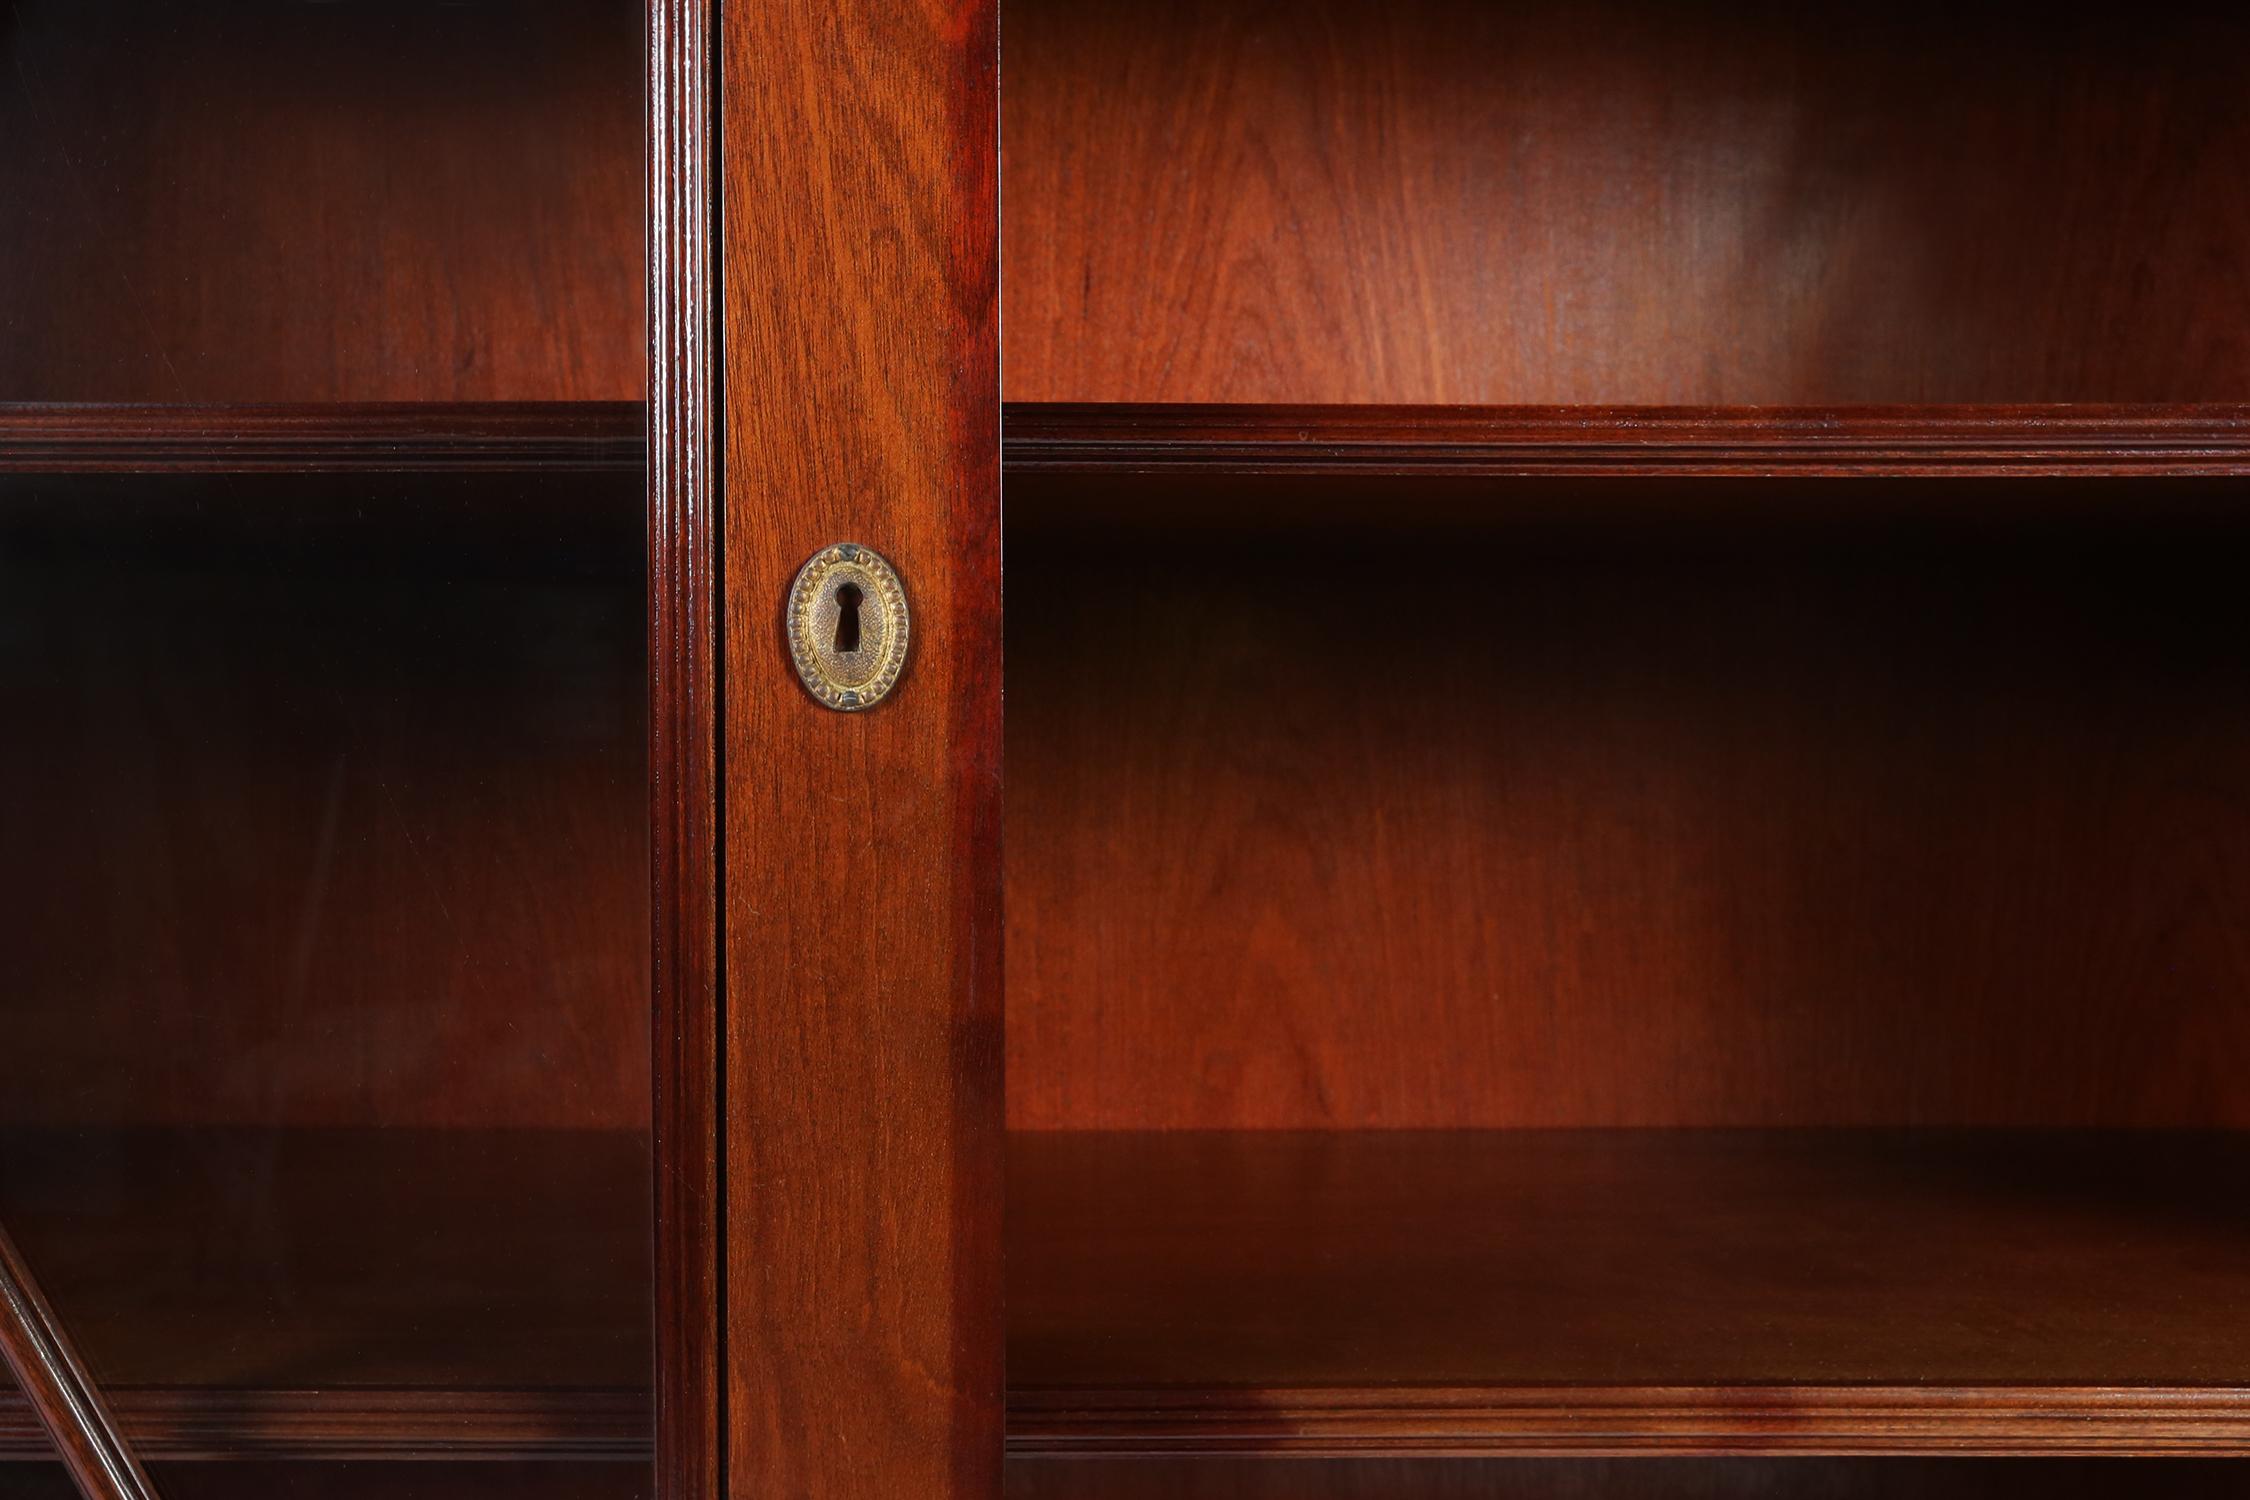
1499	442
1624	200
345	1294
407	437
1462	1292
267	201
1562	782
69	1405
861	851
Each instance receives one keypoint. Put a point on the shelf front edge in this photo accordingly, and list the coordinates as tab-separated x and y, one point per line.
378	438
360	1423
1618	442
1569	1421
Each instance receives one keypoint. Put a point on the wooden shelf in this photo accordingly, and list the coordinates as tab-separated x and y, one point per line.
1617	1292
411	1480
382	438
345	1293
1702	1478
1470	442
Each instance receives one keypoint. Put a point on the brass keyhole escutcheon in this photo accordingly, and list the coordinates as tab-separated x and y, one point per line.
848	625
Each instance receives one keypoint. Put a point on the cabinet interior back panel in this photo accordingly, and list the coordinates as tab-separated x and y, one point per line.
331	803
1852	819
1624	201
276	201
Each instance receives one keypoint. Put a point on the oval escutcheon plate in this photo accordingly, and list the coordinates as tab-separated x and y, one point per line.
848	626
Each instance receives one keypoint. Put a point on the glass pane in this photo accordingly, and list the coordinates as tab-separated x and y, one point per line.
324	1097
268	200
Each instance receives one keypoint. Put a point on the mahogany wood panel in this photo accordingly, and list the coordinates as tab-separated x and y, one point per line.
329	800
1887	803
1463	443
345	1292
1625	201
1620	1291
274	201
55	1386
1629	1479
863	1108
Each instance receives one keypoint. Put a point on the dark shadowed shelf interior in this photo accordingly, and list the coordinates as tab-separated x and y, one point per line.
327	1107
345	1293
1652	1291
382	1292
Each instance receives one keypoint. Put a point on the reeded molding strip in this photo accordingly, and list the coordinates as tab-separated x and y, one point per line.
68	1410
1621	441
381	438
346	1422
1574	1421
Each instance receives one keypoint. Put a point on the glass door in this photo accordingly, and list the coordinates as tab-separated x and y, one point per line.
324	1057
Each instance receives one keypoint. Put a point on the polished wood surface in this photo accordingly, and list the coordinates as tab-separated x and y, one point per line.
340	808
1628	1479
378	438
861	943
52	1381
272	201
1623	1291
1464	443
684	649
1624	201
345	1293
1867	804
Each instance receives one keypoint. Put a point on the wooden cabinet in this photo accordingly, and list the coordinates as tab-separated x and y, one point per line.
1613	866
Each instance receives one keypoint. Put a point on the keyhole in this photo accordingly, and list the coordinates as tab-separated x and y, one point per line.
848	598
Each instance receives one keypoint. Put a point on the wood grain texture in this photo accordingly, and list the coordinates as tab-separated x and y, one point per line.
1381	443
1628	1479
346	1293
684	651
1635	1291
1624	201
68	1405
332	799
281	202
1884	804
861	851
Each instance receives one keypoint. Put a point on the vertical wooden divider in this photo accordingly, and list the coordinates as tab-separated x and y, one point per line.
861	891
